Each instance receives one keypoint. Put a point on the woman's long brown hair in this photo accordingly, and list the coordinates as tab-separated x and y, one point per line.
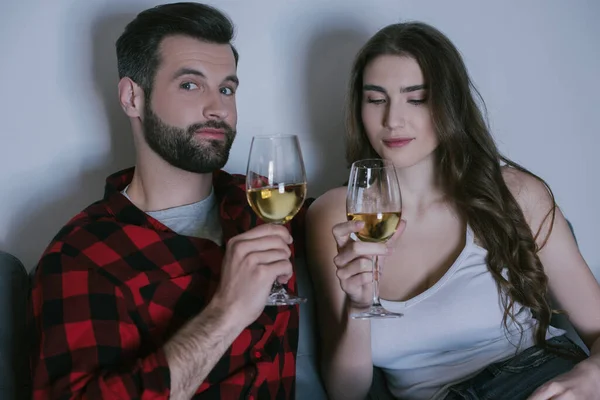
468	162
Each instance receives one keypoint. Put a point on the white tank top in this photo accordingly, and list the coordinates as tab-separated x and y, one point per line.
450	332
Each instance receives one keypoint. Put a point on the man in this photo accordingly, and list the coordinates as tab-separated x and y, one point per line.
159	289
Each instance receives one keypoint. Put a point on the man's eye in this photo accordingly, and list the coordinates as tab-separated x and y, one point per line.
227	91
188	86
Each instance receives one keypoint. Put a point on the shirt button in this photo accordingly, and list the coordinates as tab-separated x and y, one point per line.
258	355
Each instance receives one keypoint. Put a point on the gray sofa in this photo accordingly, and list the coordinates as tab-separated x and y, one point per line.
14	383
14	291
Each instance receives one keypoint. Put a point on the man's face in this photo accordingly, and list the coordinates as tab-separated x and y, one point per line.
190	118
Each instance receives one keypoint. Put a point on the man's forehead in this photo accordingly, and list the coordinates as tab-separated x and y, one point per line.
178	50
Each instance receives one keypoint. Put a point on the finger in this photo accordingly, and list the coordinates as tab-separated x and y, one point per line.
281	270
357	282
266	257
356	267
264	243
341	232
266	230
358	249
547	391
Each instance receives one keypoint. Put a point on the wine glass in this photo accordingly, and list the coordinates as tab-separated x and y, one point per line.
374	197
276	189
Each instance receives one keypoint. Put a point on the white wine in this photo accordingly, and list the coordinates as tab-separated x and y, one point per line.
277	204
379	227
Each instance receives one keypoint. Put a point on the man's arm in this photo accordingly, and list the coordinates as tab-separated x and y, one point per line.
197	347
82	357
86	334
252	262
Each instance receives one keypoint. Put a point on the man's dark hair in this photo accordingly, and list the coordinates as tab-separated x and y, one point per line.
137	48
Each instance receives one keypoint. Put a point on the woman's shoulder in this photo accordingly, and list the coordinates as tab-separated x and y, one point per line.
329	206
332	199
531	193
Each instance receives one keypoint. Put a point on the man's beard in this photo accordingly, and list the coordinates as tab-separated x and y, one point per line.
181	149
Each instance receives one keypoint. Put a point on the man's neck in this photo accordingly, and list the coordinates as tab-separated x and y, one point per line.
157	185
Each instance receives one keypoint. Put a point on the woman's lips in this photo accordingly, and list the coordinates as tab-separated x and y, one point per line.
397	142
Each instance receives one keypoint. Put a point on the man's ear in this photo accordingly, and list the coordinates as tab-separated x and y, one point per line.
131	98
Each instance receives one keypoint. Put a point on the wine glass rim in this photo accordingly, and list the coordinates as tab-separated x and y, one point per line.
385	163
275	136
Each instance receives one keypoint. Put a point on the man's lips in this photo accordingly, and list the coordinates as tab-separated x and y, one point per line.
397	142
211	133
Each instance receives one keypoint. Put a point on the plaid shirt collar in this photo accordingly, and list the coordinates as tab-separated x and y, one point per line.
236	214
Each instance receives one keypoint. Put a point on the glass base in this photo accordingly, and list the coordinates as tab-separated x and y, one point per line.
376	312
282	298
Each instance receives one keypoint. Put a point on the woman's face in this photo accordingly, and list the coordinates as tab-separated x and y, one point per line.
395	112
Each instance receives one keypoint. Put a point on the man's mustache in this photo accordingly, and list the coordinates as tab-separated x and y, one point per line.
192	129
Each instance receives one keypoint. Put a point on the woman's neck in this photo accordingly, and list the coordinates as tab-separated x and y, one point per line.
421	186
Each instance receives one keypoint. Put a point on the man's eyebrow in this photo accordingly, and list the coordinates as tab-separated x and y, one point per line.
190	71
187	71
232	78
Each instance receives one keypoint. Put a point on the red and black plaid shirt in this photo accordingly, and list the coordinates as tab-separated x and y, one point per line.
115	284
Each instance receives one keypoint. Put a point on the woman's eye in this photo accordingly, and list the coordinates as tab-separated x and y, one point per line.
375	101
188	86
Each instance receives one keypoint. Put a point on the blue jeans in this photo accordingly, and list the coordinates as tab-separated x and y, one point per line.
518	377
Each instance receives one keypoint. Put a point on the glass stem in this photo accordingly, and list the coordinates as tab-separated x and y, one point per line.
276	285
376	302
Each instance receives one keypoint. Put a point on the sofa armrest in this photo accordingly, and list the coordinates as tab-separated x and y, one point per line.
14	293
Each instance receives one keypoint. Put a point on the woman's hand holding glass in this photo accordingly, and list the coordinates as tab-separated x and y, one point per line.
374	209
354	262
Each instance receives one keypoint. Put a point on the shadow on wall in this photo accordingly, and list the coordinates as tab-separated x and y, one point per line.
106	30
328	62
43	219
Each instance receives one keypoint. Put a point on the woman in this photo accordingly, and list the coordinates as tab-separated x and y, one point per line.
480	248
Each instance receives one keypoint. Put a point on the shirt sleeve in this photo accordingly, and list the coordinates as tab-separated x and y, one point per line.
87	344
